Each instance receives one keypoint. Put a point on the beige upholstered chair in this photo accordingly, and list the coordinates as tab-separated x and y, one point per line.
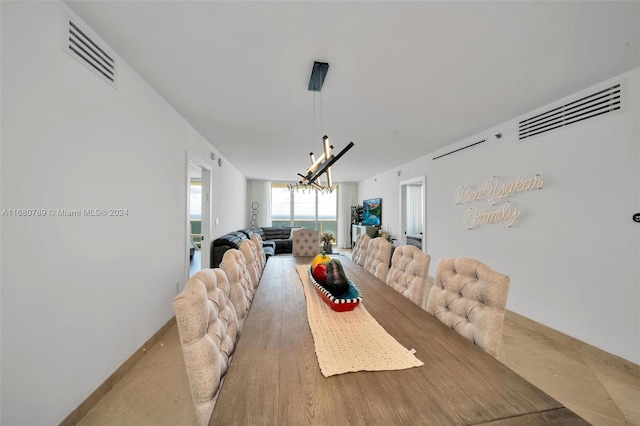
305	242
409	274
208	329
241	294
359	252
254	266
471	298
378	257
257	240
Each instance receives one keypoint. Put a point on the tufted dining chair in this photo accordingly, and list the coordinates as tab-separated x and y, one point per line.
257	240
378	257
254	266
359	252
305	242
409	274
208	328
241	294
471	298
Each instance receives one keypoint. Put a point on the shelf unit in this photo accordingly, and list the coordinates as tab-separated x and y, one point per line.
356	230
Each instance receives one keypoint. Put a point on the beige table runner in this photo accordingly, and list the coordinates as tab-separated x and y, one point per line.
350	341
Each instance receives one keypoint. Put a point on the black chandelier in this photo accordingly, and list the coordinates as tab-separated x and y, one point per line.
321	166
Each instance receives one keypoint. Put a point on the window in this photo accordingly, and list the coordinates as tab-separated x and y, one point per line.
304	209
195	211
328	213
280	205
195	199
308	209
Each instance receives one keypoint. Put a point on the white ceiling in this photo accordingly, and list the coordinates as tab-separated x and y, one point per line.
405	78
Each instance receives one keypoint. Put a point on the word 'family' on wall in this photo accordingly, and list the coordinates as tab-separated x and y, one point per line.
494	191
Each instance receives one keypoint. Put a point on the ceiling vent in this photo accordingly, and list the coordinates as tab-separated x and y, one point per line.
597	104
89	50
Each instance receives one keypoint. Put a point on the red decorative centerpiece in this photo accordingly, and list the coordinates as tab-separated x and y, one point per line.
332	284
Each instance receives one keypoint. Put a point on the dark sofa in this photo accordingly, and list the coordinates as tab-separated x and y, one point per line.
275	240
279	235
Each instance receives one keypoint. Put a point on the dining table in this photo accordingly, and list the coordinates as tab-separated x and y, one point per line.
274	377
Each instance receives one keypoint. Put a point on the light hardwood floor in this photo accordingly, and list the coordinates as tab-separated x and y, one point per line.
156	390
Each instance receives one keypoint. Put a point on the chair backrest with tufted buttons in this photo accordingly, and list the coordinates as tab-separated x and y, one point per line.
234	266
471	298
409	274
208	330
247	247
378	257
359	252
257	240
305	242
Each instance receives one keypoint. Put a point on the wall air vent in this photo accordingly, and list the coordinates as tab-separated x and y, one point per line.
459	149
603	102
87	49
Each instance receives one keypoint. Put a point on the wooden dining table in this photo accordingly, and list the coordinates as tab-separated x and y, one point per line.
274	377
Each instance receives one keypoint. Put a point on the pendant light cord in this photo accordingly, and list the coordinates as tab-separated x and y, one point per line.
313	131
321	113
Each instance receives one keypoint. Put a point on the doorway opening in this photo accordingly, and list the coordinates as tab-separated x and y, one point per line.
195	218
198	216
412	213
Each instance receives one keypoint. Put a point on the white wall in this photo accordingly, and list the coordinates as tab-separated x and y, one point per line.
81	294
573	254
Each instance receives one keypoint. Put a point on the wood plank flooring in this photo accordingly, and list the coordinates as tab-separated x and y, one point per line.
156	390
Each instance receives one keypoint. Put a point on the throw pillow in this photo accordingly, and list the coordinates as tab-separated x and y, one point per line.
292	231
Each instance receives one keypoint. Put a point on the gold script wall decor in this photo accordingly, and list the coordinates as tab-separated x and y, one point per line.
494	191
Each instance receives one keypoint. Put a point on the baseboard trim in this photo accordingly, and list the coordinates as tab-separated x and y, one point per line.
581	347
76	415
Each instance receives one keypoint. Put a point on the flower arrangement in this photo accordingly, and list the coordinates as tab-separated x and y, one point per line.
326	237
